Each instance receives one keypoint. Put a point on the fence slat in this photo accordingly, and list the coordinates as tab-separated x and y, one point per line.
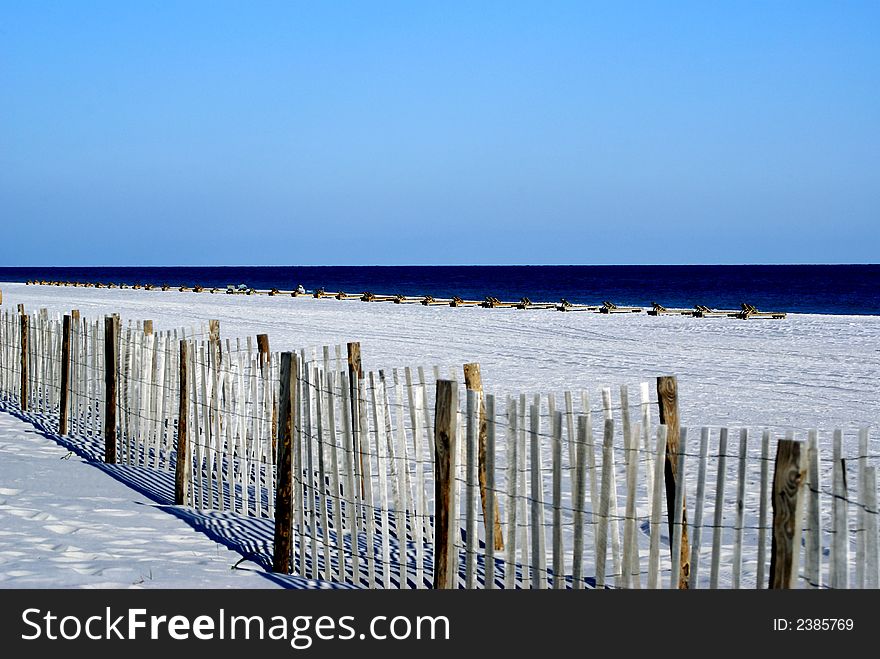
577	567
404	519
839	513
24	396
872	559
536	493
613	524
472	440
337	483
862	463
740	509
523	513
656	510
719	509
512	487
678	537
321	410
382	467
420	503
697	540
631	562
604	503
353	490
558	555
760	578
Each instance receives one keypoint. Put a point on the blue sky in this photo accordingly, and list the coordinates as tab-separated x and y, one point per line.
136	133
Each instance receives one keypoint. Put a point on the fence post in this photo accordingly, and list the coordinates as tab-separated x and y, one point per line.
111	369
473	381
284	485
21	309
23	403
65	376
263	350
355	375
667	400
214	340
445	450
181	468
148	327
788	479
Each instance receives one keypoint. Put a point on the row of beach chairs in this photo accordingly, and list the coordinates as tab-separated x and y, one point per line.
745	312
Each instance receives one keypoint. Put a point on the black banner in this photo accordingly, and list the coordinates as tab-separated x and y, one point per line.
279	623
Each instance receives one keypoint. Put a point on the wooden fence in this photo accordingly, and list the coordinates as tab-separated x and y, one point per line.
407	478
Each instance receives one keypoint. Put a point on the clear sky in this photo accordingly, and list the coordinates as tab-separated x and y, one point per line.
178	133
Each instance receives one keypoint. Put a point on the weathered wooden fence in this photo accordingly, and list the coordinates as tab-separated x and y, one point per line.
404	478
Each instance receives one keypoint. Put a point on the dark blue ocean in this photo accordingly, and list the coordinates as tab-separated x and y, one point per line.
830	289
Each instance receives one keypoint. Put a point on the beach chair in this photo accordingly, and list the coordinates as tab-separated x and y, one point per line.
368	297
526	303
657	309
751	311
610	307
430	301
702	311
273	292
230	289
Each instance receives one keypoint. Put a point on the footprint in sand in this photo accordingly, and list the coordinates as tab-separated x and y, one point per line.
128	542
113	512
86	569
61	529
23	512
42	517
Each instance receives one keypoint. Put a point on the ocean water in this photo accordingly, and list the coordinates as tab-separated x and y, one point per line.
827	289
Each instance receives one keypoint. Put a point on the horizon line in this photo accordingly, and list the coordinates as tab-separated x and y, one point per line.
447	265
